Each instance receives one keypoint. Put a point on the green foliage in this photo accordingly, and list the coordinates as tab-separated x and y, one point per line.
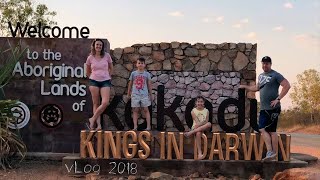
305	94
294	117
9	58
23	11
10	141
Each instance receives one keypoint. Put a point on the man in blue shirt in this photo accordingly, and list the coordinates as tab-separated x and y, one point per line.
268	85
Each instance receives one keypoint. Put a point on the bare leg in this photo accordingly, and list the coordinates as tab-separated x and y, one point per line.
95	94
198	141
274	137
135	117
99	127
105	94
147	115
266	138
199	129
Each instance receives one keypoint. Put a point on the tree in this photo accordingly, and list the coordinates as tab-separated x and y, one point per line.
23	11
306	93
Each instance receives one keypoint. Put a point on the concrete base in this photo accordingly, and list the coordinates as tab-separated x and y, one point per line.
304	157
75	166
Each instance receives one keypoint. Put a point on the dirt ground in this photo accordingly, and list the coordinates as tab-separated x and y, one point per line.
36	170
306	150
314	129
312	172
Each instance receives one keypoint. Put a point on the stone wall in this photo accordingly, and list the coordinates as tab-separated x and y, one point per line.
211	70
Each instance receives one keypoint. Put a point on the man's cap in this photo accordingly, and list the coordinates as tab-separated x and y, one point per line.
266	59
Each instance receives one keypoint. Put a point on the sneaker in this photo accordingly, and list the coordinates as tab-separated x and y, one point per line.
270	156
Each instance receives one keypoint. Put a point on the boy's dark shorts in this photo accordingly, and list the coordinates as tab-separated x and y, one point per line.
268	119
100	84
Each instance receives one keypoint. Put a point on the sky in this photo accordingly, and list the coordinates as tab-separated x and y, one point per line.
287	31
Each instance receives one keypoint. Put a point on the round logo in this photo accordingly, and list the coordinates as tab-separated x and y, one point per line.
51	115
22	114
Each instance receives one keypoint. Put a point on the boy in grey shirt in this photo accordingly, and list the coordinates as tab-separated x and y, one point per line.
140	92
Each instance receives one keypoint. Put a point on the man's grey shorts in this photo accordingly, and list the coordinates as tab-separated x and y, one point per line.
140	101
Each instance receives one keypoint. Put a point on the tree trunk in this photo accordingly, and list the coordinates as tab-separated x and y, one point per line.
312	118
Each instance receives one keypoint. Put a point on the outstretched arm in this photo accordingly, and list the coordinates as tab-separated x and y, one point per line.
253	88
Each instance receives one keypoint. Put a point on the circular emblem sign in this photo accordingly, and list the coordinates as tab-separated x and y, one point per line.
51	115
22	113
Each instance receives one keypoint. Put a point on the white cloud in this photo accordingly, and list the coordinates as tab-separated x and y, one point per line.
288	5
241	23
206	20
307	40
220	19
237	25
176	14
278	28
244	21
252	35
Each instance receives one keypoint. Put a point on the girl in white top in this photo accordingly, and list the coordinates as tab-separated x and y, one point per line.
200	116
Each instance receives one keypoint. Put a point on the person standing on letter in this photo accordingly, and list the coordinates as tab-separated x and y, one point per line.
140	92
268	85
99	70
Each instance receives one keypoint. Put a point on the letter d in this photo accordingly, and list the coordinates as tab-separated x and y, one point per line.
241	112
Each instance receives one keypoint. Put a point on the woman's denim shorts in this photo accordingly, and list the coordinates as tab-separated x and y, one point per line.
100	84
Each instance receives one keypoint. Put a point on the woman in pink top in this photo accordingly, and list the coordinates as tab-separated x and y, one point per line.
99	69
